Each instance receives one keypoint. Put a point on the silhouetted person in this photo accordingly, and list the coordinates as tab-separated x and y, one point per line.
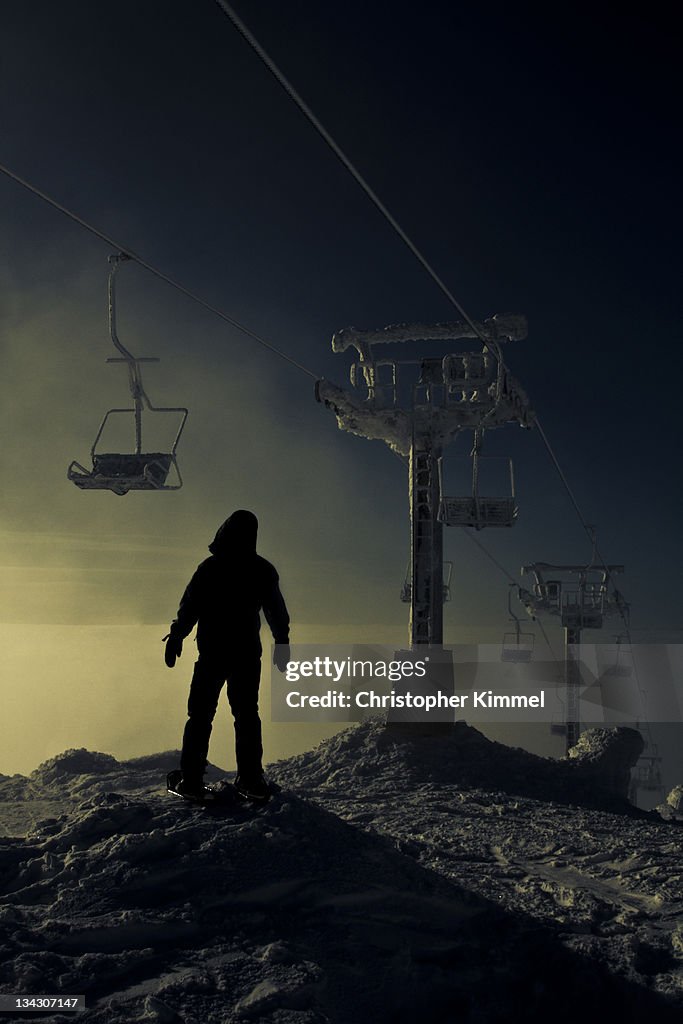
223	599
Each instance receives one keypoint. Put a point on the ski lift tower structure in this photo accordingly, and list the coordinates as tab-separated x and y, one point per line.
581	597
417	404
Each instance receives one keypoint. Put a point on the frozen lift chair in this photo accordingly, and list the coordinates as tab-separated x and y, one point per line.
138	470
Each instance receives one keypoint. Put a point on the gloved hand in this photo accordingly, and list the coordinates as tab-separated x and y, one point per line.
281	656
173	650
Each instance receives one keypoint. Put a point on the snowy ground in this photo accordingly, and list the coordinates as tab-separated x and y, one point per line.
444	879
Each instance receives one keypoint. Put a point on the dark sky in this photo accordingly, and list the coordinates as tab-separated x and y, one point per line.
530	153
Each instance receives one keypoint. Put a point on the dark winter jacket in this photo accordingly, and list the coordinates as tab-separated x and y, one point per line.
227	592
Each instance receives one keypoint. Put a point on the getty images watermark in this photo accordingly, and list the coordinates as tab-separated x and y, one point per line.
478	682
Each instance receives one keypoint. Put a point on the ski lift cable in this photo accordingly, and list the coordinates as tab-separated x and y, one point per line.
134	257
286	85
270	64
565	483
491	557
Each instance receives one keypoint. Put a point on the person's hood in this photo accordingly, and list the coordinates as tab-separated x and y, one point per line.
237	536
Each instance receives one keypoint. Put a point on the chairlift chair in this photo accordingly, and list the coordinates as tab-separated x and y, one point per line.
407	586
474	510
137	470
517	647
619	670
648	775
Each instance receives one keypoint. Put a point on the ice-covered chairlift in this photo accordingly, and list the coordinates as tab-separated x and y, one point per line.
121	472
475	510
134	471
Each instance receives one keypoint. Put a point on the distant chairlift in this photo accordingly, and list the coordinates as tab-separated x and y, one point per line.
517	647
620	669
137	470
474	510
407	586
647	773
558	726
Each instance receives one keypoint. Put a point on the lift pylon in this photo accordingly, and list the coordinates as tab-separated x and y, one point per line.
580	596
417	404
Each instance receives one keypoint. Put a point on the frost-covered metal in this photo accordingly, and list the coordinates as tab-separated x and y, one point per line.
453	392
137	470
417	402
580	596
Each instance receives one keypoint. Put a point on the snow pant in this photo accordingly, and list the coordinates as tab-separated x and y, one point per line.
242	675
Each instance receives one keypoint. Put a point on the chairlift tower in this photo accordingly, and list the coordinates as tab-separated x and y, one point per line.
646	775
417	405
580	596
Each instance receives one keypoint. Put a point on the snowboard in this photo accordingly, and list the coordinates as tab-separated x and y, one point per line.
250	798
208	796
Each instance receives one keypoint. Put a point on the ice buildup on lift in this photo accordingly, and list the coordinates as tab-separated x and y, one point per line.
137	470
449	393
417	402
580	596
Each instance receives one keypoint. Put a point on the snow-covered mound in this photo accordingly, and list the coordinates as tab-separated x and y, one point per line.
378	886
63	781
672	808
77	771
595	774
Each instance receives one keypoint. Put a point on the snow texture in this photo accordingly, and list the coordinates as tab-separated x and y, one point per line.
499	327
432	426
394	877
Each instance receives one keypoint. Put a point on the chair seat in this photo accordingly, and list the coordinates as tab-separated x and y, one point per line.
479	513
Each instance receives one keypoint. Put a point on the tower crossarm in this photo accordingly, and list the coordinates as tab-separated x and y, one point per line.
498	328
437	425
582	600
357	416
576	569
